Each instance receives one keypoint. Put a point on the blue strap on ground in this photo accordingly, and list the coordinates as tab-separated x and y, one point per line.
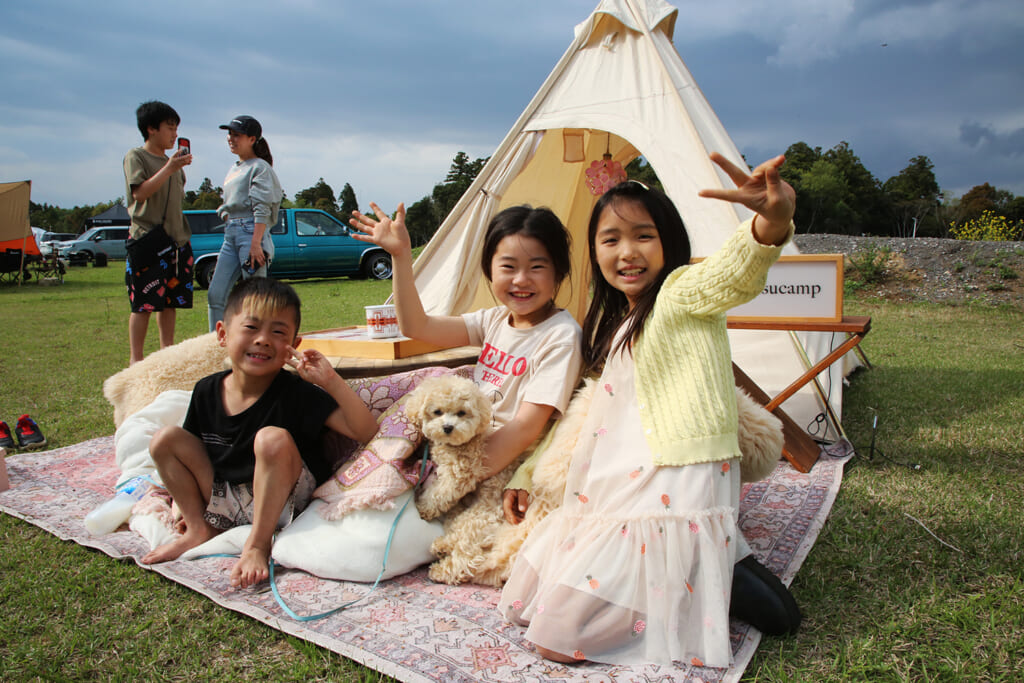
387	551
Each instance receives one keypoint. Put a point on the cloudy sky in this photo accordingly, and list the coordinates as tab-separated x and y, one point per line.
382	93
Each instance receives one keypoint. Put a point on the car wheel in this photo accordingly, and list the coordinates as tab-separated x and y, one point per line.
204	272
377	266
80	258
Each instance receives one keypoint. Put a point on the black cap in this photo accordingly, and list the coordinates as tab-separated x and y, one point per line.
246	125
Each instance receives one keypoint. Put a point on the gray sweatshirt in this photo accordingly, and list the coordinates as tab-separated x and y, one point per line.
251	189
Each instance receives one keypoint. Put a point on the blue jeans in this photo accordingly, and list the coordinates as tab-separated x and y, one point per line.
233	253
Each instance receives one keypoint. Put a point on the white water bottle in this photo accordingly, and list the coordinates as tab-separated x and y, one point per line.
116	511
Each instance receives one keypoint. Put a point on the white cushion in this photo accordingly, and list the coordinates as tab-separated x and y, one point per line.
352	548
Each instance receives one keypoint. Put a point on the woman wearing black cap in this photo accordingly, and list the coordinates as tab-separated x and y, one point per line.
252	196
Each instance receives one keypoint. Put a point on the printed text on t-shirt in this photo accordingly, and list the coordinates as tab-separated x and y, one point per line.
502	363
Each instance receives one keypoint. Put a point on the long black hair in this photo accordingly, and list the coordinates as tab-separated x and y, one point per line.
609	306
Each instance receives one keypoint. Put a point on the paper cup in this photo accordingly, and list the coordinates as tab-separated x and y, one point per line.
381	321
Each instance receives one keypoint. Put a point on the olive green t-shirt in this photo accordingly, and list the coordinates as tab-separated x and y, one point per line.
164	206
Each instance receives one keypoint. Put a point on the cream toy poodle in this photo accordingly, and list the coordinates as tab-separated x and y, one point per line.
455	418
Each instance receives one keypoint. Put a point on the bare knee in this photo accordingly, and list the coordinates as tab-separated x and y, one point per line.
167	440
275	447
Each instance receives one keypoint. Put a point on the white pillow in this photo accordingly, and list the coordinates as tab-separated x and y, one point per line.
352	548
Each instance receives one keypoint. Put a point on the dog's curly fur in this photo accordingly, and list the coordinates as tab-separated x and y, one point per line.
455	418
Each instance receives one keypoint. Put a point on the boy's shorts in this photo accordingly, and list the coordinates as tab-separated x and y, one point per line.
231	505
162	285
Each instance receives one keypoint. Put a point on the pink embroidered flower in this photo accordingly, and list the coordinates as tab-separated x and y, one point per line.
694	528
540	609
725	468
643	548
608	388
600	432
696	661
636	473
517	604
665	500
580	497
639	627
689	587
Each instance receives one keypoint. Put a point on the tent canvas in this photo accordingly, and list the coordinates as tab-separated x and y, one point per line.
621	87
15	231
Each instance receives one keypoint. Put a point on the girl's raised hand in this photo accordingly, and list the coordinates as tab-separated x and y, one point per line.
763	191
391	235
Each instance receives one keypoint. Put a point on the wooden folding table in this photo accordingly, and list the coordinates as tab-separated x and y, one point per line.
800	450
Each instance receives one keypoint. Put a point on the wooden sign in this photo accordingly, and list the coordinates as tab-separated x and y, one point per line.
804	287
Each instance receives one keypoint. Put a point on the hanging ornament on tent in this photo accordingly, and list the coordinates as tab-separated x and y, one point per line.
605	174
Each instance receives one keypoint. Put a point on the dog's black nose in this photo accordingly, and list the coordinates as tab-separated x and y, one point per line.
448	429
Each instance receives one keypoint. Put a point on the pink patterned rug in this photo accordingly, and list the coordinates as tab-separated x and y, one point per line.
411	628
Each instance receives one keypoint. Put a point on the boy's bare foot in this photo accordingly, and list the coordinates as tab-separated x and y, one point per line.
192	537
253	567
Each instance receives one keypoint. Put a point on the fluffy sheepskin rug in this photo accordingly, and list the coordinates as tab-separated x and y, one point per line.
176	367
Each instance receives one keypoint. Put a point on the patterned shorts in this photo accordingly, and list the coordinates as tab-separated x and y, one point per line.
231	505
161	285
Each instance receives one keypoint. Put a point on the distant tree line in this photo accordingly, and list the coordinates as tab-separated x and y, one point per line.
835	194
56	219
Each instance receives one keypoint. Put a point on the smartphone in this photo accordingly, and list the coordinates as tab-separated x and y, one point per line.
184	146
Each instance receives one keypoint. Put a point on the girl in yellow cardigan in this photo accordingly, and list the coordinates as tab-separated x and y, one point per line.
636	565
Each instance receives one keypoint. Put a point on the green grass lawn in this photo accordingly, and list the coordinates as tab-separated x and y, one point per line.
918	574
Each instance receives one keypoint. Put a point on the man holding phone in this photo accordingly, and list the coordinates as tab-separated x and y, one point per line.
158	271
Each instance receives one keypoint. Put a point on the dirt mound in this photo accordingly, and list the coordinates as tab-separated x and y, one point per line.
928	268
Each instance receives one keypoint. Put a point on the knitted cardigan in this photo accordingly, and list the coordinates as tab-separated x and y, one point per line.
683	362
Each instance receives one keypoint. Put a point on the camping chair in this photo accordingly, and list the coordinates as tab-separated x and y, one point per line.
47	266
12	268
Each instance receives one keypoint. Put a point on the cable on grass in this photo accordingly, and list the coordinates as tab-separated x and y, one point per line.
873	449
932	534
813	427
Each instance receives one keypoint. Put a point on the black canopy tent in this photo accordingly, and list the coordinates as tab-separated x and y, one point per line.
115	215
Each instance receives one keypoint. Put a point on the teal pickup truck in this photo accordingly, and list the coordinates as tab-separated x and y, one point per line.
307	243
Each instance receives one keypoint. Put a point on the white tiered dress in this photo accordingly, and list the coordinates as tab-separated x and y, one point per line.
636	565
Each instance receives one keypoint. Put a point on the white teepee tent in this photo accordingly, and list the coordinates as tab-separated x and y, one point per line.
621	88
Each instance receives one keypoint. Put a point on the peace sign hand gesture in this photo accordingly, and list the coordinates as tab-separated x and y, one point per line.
764	192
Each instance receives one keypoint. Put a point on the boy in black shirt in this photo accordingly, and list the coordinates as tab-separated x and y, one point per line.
249	450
